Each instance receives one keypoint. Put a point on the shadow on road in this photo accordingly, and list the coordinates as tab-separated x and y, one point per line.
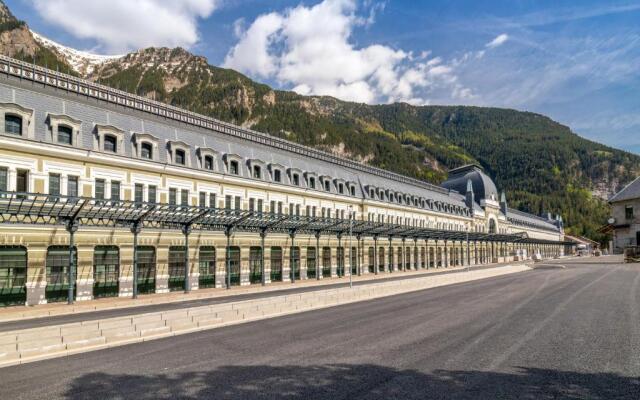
354	381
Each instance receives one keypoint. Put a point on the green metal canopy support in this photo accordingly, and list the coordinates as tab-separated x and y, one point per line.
186	231
404	254
318	263
228	231
135	229
263	235
72	228
292	264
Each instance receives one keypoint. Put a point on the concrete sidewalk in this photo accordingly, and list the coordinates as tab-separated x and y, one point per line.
27	345
180	299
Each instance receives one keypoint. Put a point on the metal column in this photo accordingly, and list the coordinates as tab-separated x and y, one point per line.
135	229
318	259
263	235
292	266
186	230
404	255
227	232
72	228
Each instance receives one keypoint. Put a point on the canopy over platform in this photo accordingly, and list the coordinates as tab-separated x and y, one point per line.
42	209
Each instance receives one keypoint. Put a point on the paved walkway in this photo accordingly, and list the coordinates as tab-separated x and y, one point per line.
62	313
568	333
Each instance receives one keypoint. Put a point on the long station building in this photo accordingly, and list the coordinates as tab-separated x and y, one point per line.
118	193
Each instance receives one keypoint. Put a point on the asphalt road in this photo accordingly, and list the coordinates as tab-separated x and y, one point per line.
124	311
545	334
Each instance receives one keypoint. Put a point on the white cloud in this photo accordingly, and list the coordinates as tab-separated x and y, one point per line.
498	41
124	25
311	50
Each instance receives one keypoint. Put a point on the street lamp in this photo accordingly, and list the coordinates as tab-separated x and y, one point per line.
350	248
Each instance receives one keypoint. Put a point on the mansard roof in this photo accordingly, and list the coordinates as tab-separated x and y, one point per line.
99	105
483	186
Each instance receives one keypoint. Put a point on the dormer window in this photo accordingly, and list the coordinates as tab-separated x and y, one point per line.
13	124
257	172
296	179
312	182
340	188
327	186
65	134
352	189
233	167
146	151
146	146
110	144
109	139
277	175
180	157
208	163
372	193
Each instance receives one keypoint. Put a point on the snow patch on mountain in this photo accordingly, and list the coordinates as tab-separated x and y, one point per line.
82	62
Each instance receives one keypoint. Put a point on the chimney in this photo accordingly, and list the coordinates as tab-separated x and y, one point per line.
470	198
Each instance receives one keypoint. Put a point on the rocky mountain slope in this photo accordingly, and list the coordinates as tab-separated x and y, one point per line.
541	164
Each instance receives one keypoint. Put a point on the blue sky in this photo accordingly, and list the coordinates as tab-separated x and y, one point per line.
575	61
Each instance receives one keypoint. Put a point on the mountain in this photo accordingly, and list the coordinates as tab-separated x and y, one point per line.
541	164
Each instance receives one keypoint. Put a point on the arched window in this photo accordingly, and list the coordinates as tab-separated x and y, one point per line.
13	124
180	157
110	143
65	134
146	150
492	226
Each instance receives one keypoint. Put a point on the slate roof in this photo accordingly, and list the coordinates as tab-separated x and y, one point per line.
630	192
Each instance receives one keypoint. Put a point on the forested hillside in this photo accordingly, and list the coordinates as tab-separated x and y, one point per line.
541	164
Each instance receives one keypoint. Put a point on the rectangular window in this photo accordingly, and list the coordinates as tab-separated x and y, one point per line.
252	204
115	190
100	189
233	167
227	202
208	163
65	135
184	197
628	212
280	207
54	184
257	172
13	124
296	179
22	181
4	174
312	182
202	199
277	175
138	193
72	186
259	205
212	200
237	202
291	208
173	196
151	196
